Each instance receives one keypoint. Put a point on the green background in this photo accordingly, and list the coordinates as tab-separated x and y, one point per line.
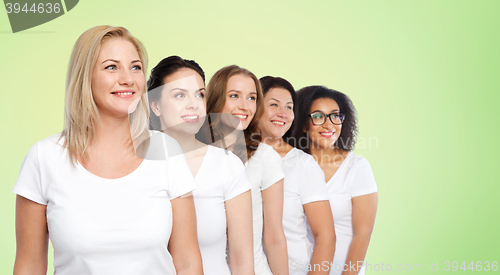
424	76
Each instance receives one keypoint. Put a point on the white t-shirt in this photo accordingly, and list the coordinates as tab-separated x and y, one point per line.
104	226
304	183
221	177
353	178
263	169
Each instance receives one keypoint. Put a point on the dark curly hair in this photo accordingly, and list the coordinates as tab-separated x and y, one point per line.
165	68
305	97
270	82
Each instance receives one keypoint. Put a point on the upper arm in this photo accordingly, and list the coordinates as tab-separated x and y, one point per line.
319	216
183	243
31	237
272	205
364	209
240	227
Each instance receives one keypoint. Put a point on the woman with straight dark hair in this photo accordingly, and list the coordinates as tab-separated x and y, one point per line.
305	194
223	200
326	128
234	93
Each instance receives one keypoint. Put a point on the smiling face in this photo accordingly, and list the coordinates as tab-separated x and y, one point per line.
117	79
241	99
324	136
182	106
278	113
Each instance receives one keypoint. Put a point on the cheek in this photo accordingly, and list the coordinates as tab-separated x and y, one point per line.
169	111
140	82
253	107
227	107
338	130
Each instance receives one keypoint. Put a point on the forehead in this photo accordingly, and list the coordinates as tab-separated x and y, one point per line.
185	76
118	48
189	83
280	94
325	105
241	83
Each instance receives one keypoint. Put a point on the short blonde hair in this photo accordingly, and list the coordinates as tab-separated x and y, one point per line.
81	113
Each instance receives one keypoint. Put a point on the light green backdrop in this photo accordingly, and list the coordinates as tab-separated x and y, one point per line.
424	76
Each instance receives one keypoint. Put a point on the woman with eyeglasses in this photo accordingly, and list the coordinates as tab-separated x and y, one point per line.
327	121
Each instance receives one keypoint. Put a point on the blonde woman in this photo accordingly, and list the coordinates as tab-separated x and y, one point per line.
235	93
105	209
223	201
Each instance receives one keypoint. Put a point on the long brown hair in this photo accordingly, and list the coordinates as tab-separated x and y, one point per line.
216	100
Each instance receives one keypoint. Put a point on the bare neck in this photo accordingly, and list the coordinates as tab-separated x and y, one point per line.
188	142
327	156
278	144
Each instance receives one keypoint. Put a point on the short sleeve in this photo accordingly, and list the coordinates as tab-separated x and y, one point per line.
312	186
181	180
29	182
273	168
238	183
363	181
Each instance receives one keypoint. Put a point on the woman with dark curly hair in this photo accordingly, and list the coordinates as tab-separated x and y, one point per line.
326	128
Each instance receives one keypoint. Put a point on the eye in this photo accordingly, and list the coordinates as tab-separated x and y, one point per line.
335	115
137	67
110	67
179	95
252	98
233	96
200	95
274	105
288	107
317	115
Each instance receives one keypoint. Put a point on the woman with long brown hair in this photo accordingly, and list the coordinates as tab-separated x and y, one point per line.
235	97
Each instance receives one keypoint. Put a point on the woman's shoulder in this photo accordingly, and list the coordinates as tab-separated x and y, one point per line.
222	154
355	161
50	143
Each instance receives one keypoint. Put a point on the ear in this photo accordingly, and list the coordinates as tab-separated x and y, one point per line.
304	129
155	107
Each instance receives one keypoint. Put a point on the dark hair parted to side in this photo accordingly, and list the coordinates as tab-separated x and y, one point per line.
270	82
306	96
165	68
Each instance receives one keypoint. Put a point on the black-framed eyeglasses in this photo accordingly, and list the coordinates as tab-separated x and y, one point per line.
319	118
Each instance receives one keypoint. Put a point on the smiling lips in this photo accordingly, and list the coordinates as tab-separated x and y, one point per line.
124	93
278	123
327	134
191	118
241	117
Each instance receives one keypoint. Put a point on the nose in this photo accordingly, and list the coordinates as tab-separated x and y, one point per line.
192	102
243	104
328	124
126	78
282	113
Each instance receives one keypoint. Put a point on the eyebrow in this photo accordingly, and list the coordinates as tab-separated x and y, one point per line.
289	102
323	112
184	90
114	60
